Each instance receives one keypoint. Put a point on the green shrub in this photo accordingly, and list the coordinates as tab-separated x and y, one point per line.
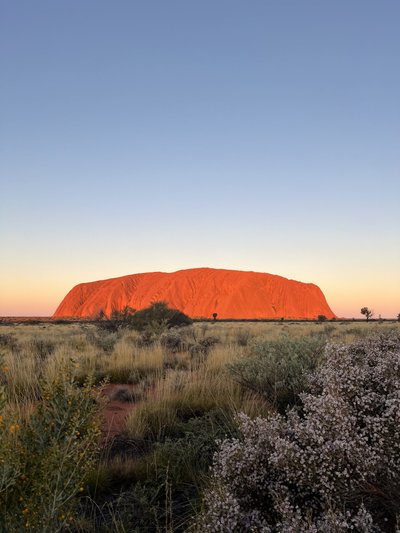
279	370
46	455
158	317
202	347
105	340
173	341
146	339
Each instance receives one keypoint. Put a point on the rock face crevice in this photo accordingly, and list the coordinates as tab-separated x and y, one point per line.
200	292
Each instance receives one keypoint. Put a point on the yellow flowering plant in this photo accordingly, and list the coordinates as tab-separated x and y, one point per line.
46	457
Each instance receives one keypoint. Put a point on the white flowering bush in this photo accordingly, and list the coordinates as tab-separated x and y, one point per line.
332	466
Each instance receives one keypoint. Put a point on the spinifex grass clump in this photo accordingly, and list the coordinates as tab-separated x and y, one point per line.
334	468
46	455
166	484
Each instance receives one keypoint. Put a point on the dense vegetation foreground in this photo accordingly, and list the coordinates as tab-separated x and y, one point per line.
209	427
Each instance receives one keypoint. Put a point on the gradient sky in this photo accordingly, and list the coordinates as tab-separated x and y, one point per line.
158	135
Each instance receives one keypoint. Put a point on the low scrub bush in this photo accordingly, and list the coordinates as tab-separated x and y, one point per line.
146	339
104	340
334	468
46	456
124	394
279	370
203	346
173	341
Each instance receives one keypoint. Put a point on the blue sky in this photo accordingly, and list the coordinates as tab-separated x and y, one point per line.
142	136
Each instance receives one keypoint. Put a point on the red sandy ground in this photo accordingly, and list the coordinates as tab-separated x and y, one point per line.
115	412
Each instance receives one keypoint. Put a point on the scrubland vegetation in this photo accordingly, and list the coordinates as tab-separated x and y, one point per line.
227	427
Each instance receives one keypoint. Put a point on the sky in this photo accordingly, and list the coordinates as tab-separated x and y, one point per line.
140	136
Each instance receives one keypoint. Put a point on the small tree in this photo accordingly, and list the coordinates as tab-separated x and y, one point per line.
215	316
118	319
100	315
122	315
321	318
368	313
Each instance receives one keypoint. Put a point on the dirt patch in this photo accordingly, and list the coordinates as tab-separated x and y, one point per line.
115	410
